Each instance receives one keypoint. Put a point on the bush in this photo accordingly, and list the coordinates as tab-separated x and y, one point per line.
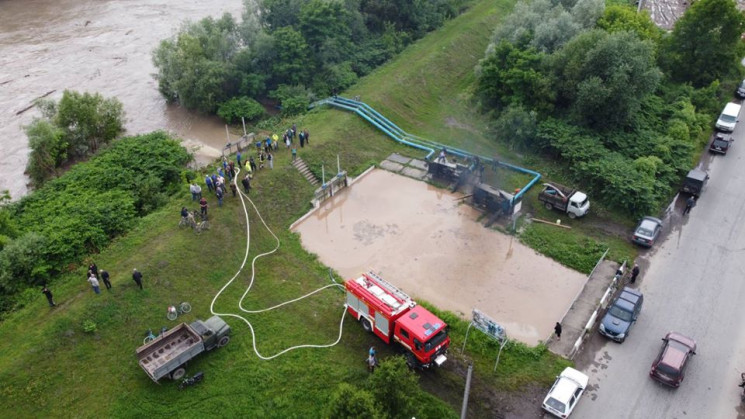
240	107
351	402
83	210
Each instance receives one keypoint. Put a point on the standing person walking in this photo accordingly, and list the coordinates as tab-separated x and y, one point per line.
307	136
690	203
219	195
270	159
48	294
238	157
137	276
94	284
208	182
301	136
203	208
246	183
193	190
105	278
233	188
294	153
557	330
92	268
634	273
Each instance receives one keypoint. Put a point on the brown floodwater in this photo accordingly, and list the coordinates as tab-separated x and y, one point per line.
99	46
421	239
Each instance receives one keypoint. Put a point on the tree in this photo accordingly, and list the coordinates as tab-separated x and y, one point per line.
289	65
88	121
195	66
396	403
606	76
240	107
516	127
618	18
703	44
23	263
513	75
48	150
351	402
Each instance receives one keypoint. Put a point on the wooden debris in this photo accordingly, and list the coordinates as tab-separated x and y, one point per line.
33	103
550	223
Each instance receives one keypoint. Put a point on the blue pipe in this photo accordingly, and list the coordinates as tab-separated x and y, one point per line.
396	133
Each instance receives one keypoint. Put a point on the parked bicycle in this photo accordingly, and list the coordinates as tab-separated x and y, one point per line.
190	381
149	337
174	312
201	226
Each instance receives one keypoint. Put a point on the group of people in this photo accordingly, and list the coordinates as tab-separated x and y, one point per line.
92	278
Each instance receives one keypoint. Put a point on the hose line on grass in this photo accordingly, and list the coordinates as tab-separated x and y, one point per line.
244	197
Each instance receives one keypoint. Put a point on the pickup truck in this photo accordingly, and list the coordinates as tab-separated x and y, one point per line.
167	355
571	201
621	315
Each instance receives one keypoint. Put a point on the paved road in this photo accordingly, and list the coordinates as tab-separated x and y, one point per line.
695	284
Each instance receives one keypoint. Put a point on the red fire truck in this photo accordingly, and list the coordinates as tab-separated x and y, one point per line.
388	312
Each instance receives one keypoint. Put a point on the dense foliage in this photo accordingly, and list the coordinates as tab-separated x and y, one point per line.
585	84
81	211
74	127
314	46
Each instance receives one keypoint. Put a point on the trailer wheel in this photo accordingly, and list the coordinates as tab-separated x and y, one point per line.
178	373
223	341
549	206
572	215
366	325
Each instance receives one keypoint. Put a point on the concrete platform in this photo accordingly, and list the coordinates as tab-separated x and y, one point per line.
391	166
573	323
395	157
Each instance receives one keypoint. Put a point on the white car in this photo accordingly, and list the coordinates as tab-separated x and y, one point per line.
565	392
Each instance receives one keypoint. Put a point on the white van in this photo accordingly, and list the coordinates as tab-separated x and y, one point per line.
728	119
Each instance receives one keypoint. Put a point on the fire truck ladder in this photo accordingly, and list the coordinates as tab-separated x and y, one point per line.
391	288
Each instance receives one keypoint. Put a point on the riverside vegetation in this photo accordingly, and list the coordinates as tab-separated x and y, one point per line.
79	356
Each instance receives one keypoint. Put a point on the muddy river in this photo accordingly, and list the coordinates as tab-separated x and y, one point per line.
95	46
421	239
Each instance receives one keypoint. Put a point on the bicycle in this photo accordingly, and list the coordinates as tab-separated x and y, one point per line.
151	337
201	226
174	311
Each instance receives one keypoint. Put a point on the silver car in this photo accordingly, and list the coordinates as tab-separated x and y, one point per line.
647	231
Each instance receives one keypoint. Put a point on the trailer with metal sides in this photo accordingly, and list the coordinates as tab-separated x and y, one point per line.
167	355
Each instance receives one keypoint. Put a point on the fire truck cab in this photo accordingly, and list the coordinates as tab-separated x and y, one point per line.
393	316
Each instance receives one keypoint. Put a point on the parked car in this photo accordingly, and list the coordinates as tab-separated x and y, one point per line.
694	182
740	91
621	315
720	143
669	367
565	393
646	233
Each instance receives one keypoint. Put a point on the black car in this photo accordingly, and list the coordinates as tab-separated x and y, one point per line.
720	144
740	92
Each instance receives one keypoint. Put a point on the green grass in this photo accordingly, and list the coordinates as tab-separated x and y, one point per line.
51	367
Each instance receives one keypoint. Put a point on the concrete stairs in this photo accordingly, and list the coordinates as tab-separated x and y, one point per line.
300	165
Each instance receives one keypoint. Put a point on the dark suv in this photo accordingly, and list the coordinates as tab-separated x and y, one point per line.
621	315
669	367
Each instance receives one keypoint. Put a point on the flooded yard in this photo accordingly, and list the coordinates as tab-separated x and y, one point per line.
423	240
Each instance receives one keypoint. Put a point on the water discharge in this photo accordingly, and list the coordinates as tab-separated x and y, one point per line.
99	46
422	240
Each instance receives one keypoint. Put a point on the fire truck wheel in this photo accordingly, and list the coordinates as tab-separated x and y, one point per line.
366	324
411	360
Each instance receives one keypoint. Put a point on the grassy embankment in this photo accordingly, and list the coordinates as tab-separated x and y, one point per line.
51	367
